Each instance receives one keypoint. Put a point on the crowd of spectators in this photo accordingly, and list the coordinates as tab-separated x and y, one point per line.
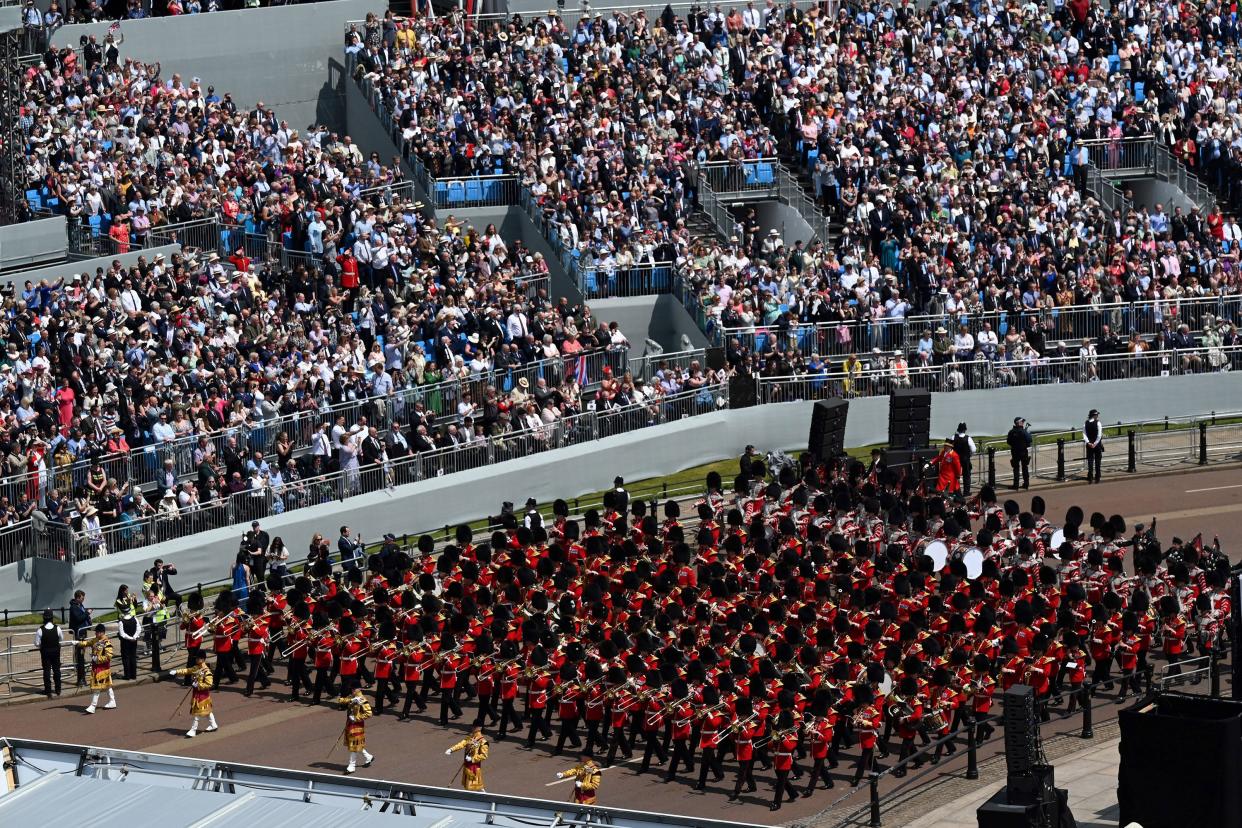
198	362
950	146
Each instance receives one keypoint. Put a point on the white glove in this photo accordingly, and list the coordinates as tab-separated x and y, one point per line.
448	752
172	672
560	776
578	784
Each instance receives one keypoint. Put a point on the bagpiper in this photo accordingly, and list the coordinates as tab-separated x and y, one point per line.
357	711
587	776
475	747
101	667
201	681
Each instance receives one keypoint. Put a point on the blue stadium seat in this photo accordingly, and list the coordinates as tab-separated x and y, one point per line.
661	277
1140	91
455	192
752	173
474	191
96	223
765	172
811	158
34	199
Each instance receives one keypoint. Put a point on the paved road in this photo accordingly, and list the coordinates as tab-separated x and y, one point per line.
267	730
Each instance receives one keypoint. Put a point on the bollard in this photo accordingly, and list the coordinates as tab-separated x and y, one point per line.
1132	451
1060	458
1203	443
875	800
992	466
1087	732
6	618
1214	674
664	490
972	745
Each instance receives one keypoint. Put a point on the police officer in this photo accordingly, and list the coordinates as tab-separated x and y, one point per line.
1093	442
47	641
1019	440
80	625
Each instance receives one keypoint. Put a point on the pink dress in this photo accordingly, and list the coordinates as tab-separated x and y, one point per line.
65	399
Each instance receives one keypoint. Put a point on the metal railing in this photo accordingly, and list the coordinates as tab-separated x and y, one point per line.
867	380
603	282
740	176
1071	323
474	191
65	542
1133	156
1168	167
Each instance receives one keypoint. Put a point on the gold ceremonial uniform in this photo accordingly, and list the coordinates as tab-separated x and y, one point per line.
588	776
357	711
472	762
201	681
101	662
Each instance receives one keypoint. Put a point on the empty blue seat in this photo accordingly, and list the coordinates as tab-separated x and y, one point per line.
752	174
474	191
96	223
765	172
455	192
1140	91
661	278
811	158
34	199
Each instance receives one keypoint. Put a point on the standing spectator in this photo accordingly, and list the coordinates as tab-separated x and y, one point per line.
129	629
257	542
80	627
156	614
1093	439
47	641
350	549
964	446
278	559
1019	440
241	575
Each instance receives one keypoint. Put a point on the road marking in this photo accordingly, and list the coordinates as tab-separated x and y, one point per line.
1214	488
1206	511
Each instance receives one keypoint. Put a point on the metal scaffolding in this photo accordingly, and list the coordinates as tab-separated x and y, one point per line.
12	163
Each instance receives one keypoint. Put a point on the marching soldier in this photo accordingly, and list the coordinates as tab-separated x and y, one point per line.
784	746
201	682
195	629
357	711
257	638
100	648
587	776
475	747
746	729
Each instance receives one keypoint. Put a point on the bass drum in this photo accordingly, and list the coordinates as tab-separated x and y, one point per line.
973	559
1054	543
938	551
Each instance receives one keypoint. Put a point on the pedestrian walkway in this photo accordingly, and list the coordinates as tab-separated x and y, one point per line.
1089	775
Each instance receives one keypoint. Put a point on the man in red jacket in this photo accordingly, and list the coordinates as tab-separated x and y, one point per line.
948	469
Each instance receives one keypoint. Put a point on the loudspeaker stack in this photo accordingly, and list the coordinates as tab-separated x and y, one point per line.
909	419
828	428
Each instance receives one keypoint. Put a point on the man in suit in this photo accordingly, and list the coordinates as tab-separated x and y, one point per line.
372	450
350	549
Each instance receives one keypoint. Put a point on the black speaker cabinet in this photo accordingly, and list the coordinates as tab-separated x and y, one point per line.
910	398
1178	755
827	437
743	392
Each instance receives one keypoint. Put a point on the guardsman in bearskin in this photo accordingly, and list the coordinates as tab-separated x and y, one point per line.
475	747
357	711
201	682
100	649
195	627
587	776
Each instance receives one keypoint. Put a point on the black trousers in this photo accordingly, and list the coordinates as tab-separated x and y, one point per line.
385	689
538	721
51	671
225	667
509	716
710	761
129	659
487	709
448	701
819	772
411	697
1021	466
681	754
620	741
653	745
597	734
1094	456
79	661
745	773
323	681
299	678
348	683
155	637
256	673
782	788
569	730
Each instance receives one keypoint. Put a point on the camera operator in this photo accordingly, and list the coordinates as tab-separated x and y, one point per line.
156	578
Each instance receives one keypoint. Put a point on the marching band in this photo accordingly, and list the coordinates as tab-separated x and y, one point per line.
792	622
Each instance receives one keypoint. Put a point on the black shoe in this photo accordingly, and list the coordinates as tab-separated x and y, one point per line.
733	797
751	787
698	786
775	806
